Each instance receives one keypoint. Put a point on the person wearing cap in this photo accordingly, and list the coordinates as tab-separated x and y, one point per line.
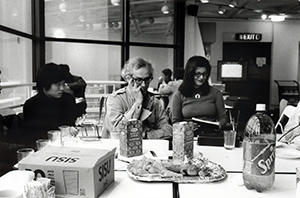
50	108
135	102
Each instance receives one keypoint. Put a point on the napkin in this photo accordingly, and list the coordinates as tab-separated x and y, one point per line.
16	179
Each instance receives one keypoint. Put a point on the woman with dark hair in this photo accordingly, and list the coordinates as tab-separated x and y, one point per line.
196	98
51	107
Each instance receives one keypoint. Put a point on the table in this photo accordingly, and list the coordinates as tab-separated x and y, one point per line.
232	160
127	187
232	186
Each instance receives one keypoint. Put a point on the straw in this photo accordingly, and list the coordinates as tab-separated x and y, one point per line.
232	123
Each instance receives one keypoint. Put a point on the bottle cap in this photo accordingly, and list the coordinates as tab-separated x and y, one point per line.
260	107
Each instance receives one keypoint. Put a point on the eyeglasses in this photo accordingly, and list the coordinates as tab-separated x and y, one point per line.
140	80
198	74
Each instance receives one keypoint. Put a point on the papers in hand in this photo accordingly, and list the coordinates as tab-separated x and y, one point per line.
205	121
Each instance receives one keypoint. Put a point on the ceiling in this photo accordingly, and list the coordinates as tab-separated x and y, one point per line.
249	9
146	17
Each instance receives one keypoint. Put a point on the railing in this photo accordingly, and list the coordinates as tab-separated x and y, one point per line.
95	91
14	94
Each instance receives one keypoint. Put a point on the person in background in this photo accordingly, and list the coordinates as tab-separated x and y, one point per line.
170	88
134	101
50	108
76	86
165	78
196	98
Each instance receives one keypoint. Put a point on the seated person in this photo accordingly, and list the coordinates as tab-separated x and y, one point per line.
50	108
76	86
134	101
196	98
170	88
165	78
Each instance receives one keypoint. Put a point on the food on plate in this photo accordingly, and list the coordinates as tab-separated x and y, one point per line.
198	169
147	166
190	167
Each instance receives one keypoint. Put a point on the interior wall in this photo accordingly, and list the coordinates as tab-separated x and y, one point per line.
284	37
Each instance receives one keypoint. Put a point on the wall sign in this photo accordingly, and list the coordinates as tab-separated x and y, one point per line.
248	37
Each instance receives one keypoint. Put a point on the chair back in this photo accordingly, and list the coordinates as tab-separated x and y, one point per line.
284	118
282	104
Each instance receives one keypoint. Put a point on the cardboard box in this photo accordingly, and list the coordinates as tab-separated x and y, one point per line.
183	141
76	172
131	140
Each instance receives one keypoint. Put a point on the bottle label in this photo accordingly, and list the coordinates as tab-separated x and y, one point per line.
259	158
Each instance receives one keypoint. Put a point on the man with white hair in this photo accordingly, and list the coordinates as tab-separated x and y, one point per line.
135	102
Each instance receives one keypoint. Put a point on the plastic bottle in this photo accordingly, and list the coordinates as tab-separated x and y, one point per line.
259	151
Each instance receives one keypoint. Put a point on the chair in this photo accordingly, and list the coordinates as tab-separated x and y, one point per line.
284	118
7	111
102	111
102	108
282	104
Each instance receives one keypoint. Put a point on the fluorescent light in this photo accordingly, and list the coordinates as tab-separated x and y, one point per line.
207	1
277	18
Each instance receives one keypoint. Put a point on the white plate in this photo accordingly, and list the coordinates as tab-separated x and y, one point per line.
287	153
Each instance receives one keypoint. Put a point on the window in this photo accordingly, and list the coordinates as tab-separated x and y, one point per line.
15	51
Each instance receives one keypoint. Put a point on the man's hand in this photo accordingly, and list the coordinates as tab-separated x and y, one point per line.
67	89
136	92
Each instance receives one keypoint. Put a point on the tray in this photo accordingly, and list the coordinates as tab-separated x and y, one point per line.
219	174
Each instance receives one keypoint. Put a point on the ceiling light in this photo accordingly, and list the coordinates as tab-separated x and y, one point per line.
165	9
264	16
277	18
232	4
207	1
221	10
115	2
82	17
151	20
59	34
63	6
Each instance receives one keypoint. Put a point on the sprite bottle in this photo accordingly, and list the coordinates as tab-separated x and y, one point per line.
259	151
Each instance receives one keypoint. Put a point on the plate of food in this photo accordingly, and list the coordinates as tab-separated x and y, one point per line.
196	170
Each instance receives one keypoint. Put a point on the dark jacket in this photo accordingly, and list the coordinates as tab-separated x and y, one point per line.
42	114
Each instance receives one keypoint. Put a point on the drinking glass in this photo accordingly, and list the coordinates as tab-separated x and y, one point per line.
54	136
41	143
229	139
298	182
24	152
